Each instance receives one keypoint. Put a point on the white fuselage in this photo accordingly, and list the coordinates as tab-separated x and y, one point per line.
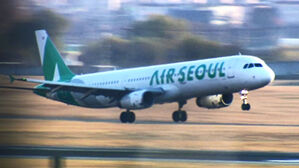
180	81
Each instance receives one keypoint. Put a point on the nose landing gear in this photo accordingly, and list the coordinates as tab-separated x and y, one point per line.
245	105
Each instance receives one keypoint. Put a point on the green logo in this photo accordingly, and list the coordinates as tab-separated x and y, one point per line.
187	73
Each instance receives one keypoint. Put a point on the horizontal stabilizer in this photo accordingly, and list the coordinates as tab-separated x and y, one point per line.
20	88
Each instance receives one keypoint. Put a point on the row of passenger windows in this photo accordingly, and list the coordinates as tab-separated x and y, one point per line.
116	82
251	65
105	83
139	79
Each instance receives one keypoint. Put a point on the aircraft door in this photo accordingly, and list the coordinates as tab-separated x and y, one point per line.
230	71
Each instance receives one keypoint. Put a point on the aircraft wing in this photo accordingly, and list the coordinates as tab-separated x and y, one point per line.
89	89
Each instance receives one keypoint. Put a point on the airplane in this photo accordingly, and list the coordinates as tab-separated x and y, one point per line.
211	81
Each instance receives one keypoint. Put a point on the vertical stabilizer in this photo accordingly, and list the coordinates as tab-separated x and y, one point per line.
53	65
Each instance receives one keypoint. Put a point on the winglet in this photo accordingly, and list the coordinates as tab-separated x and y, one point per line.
11	78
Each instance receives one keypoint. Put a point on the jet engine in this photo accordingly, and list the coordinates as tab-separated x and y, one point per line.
215	101
137	100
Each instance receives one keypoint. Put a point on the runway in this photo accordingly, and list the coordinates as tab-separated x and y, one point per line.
272	125
55	118
149	154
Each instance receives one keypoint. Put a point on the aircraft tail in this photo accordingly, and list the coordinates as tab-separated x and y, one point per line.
54	67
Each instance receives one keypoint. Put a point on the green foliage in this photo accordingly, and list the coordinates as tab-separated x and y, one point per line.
18	43
194	47
124	53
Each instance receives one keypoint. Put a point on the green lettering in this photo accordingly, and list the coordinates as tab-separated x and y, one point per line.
182	74
169	75
200	74
162	76
155	77
190	72
221	73
210	74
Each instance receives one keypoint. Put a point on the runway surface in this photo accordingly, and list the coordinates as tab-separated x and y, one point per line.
272	125
12	116
152	154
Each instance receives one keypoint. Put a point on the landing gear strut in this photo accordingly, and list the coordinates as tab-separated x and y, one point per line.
180	115
245	105
127	117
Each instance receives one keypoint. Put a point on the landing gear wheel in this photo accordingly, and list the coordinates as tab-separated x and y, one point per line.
131	117
175	116
245	107
123	117
127	116
183	116
179	116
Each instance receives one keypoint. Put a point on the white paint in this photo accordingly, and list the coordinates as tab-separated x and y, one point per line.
56	76
41	38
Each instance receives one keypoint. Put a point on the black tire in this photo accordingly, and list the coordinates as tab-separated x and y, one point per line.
183	116
131	117
124	117
176	116
245	107
248	107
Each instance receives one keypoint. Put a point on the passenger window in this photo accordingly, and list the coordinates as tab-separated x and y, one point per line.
250	66
245	66
258	65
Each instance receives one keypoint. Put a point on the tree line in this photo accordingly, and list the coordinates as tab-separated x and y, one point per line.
160	39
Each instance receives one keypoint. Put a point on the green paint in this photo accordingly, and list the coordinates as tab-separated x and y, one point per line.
169	75
162	76
187	73
212	74
155	77
190	73
52	58
200	74
221	73
41	90
182	74
66	97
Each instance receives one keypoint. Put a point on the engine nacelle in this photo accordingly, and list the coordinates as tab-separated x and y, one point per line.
137	100
215	101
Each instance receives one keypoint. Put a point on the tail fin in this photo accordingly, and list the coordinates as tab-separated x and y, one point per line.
53	66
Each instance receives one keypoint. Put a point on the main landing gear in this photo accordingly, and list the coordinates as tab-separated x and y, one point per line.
180	115
127	117
245	105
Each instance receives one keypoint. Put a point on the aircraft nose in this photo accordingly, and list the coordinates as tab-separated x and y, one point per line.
270	75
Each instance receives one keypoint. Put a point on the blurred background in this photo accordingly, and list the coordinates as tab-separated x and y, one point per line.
113	34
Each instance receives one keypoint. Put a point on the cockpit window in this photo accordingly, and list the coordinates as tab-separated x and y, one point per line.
250	65
258	65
